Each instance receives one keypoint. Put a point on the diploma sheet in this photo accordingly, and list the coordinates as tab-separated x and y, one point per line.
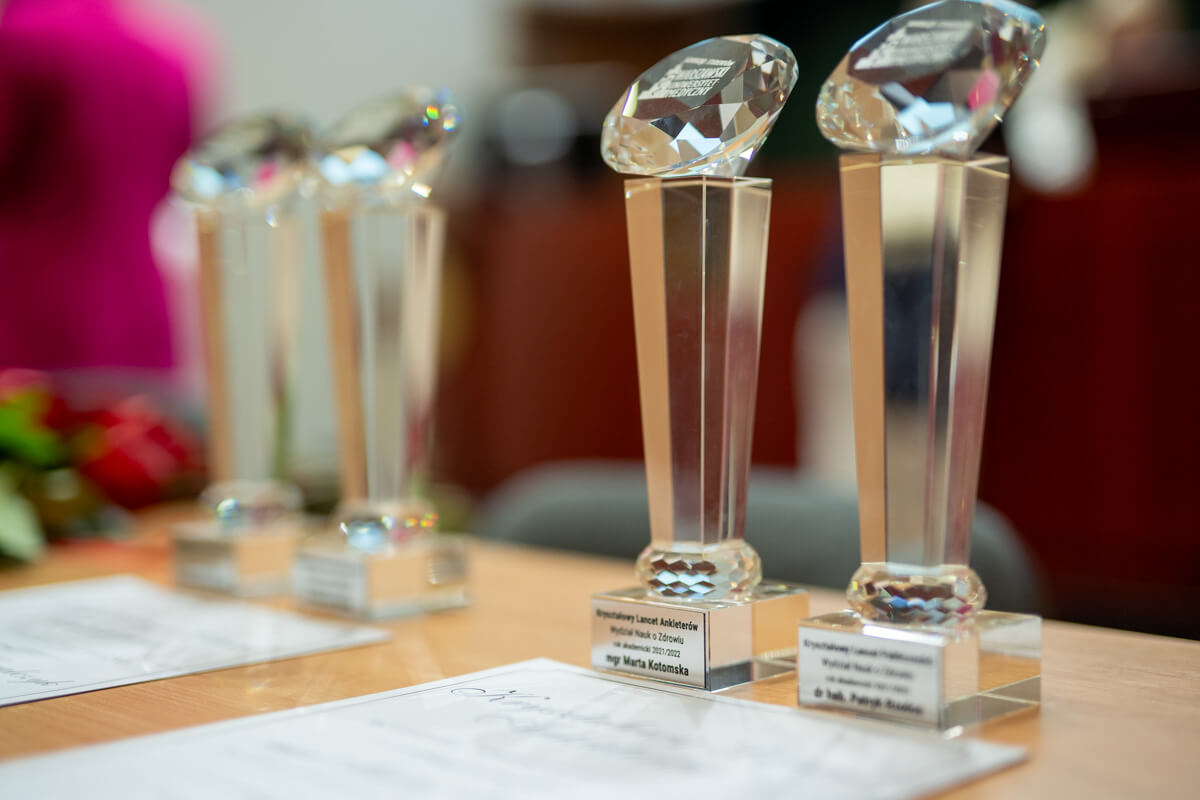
537	729
64	638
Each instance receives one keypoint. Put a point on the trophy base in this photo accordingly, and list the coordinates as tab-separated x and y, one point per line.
256	562
926	676
710	645
426	573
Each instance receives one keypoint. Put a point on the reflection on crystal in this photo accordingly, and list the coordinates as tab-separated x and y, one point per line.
373	532
393	142
244	504
697	258
369	534
936	80
257	160
704	110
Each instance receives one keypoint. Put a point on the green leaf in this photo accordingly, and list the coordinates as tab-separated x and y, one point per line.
20	535
23	435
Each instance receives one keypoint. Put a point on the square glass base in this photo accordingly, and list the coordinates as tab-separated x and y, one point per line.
256	562
427	573
709	645
930	677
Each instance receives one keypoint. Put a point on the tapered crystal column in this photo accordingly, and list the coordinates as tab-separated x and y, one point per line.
923	241
701	615
242	183
383	279
923	222
248	275
383	240
922	247
697	248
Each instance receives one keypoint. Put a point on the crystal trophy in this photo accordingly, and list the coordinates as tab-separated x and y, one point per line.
923	219
383	239
242	184
701	614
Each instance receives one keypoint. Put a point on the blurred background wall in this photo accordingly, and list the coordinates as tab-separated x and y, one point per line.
1092	429
324	58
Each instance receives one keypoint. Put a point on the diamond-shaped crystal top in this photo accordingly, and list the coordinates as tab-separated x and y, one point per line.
392	142
936	80
257	160
704	110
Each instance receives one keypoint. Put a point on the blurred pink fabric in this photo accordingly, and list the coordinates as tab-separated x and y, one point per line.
94	111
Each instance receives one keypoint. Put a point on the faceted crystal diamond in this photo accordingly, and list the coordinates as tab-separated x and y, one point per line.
255	161
934	81
946	595
704	110
712	573
393	142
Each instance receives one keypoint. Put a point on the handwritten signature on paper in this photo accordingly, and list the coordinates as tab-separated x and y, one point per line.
19	676
535	716
494	695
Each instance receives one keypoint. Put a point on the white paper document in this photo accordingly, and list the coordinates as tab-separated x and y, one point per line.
73	637
538	729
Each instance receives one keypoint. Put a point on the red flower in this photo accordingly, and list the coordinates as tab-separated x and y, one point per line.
135	454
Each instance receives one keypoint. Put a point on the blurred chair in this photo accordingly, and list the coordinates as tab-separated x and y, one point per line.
805	532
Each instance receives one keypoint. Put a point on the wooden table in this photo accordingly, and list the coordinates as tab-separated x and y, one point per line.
1120	714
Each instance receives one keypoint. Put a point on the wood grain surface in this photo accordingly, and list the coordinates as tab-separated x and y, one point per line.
1120	714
